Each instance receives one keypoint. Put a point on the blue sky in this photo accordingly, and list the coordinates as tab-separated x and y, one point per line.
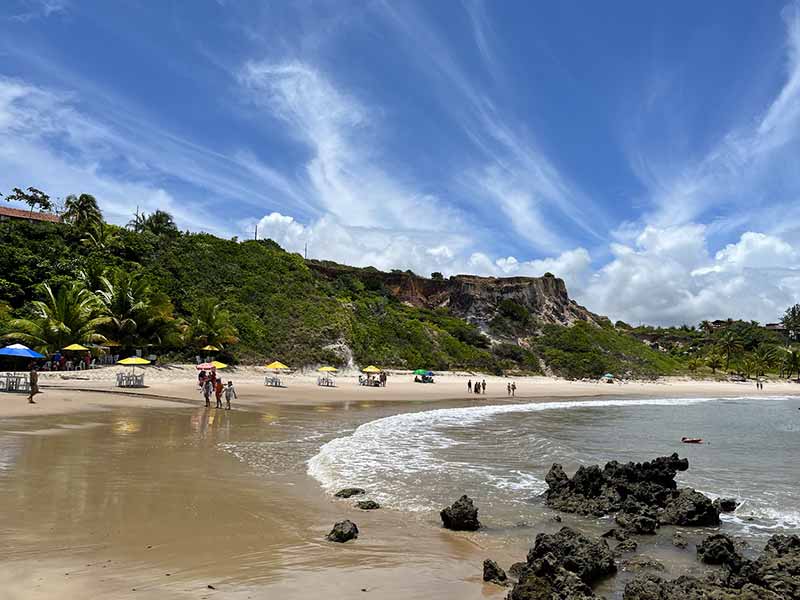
646	153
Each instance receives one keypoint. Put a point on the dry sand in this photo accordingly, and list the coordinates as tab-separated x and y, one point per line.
110	494
82	391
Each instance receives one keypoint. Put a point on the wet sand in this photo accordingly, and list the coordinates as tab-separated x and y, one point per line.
135	496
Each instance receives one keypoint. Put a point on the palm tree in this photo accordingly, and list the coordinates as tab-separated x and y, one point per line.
791	362
729	343
69	315
99	236
135	314
125	300
764	357
159	223
211	324
714	362
82	211
748	365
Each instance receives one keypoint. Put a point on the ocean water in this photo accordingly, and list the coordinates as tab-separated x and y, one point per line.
499	455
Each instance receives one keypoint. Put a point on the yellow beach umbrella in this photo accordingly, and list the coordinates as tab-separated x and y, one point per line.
133	361
328	369
218	365
277	366
77	347
210	348
371	369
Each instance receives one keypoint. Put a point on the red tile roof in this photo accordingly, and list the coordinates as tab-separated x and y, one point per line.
16	213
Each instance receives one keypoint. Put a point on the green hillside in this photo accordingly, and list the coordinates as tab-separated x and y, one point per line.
152	286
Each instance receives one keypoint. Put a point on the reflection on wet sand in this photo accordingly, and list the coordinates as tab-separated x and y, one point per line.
138	495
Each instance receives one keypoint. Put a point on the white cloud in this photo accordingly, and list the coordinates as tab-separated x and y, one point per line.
730	179
669	277
50	139
343	173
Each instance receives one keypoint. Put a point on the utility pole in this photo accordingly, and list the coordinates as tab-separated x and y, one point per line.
305	251
255	236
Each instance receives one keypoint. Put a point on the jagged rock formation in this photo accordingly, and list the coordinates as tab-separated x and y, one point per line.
476	299
775	575
643	495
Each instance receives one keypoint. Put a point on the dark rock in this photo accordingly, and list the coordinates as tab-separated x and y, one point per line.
635	523
343	531
493	573
350	492
590	559
567	586
775	575
557	519
689	507
367	505
614	533
727	504
679	540
517	569
643	563
718	549
595	491
625	546
462	515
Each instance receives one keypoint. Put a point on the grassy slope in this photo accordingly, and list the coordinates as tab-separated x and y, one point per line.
284	310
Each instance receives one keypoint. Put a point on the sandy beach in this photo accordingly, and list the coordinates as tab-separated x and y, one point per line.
136	494
81	391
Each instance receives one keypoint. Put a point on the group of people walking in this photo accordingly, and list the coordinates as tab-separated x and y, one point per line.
478	388
211	384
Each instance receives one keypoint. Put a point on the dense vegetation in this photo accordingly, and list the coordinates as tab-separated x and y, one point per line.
148	285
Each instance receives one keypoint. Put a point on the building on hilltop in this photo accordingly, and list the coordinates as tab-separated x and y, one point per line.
8	213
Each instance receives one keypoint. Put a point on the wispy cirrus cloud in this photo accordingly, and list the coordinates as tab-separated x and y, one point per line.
535	198
345	173
733	180
49	140
28	10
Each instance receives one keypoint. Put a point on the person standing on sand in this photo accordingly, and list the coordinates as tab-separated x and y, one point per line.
469	386
513	389
208	388
509	388
33	378
230	391
483	386
218	389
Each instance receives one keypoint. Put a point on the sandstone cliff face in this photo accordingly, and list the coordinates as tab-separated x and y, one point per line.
475	299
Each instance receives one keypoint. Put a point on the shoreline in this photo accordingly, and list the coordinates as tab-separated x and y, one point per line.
175	386
235	519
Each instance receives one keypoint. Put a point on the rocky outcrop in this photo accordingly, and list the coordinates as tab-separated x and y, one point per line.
367	505
462	515
643	495
476	299
563	565
492	573
590	559
342	532
718	549
775	575
350	492
689	507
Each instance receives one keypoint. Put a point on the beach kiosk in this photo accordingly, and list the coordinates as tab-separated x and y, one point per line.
132	379
277	368
16	381
327	379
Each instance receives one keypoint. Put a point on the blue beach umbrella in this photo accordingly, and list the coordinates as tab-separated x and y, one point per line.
20	351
